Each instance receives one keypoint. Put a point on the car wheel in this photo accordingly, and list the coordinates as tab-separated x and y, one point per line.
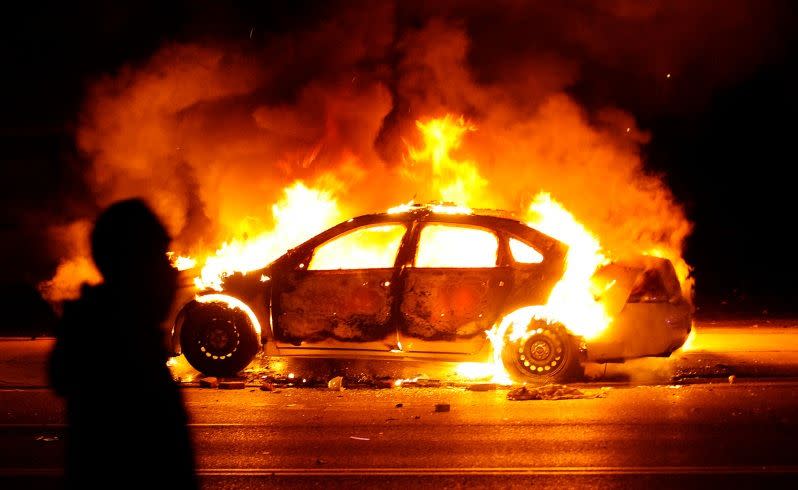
547	353
218	340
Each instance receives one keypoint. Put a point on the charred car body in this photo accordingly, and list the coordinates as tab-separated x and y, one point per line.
425	283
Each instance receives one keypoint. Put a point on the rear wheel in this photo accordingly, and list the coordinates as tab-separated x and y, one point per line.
218	340
547	353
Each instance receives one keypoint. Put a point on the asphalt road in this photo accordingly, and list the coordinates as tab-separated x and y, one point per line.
697	431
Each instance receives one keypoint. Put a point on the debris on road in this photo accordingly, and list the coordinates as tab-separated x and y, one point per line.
359	438
550	392
46	438
400	405
732	379
233	384
267	386
209	382
442	407
336	383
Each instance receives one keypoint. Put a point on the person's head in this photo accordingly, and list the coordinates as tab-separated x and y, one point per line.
129	246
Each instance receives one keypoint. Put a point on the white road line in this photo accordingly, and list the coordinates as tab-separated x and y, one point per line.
497	471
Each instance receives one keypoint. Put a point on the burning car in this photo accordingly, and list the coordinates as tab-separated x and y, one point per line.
428	282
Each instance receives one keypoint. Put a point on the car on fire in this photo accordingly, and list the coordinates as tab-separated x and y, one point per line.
427	283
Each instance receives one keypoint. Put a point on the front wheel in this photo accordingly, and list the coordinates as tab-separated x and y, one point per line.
545	354
218	340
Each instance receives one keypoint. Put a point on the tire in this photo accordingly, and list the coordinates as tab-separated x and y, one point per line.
218	340
546	354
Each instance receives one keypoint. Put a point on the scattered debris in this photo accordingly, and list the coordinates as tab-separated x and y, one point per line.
482	387
231	384
320	461
384	383
336	384
267	386
46	438
442	407
732	379
359	438
550	392
209	382
400	405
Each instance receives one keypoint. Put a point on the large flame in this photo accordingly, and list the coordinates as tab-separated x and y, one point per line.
456	181
303	212
571	301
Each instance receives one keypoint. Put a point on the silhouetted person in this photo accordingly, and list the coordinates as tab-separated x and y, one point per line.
127	423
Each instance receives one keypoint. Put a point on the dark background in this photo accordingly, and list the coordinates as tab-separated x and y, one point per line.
727	153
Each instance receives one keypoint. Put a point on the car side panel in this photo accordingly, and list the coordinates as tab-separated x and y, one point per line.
452	304
642	329
348	305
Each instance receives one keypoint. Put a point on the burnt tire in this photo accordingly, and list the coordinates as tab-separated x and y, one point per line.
546	354
218	340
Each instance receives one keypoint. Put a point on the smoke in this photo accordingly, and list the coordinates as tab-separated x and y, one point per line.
210	131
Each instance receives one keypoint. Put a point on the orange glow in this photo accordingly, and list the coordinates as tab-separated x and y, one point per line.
302	213
681	267
233	303
371	247
571	301
180	262
456	246
455	181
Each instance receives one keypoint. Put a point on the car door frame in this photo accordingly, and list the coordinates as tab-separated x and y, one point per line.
405	264
299	258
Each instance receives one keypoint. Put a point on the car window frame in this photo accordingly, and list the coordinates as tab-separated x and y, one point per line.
307	257
410	258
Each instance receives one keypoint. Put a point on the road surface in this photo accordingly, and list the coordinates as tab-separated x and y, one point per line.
695	431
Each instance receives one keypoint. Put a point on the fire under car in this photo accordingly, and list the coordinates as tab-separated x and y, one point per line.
426	284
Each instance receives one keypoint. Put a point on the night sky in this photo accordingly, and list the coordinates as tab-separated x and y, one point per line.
724	140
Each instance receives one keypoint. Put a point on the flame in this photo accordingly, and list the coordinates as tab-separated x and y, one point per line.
456	181
302	213
572	302
683	270
180	262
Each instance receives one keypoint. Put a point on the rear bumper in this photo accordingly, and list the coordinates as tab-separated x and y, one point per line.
642	330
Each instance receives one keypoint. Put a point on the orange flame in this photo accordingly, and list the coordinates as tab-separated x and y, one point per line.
303	212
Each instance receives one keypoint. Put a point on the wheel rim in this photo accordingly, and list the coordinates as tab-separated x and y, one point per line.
220	339
541	352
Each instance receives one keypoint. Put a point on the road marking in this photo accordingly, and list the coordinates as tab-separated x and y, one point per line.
543	470
498	471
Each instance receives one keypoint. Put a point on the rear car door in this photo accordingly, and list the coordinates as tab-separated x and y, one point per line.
344	292
453	289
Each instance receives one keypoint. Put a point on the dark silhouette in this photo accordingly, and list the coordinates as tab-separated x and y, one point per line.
127	423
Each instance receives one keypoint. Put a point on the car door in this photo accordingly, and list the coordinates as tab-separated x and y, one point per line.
453	289
343	294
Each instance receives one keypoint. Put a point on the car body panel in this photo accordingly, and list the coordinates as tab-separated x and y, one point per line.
437	313
348	305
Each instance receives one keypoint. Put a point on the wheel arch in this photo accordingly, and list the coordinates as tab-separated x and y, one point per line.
256	321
